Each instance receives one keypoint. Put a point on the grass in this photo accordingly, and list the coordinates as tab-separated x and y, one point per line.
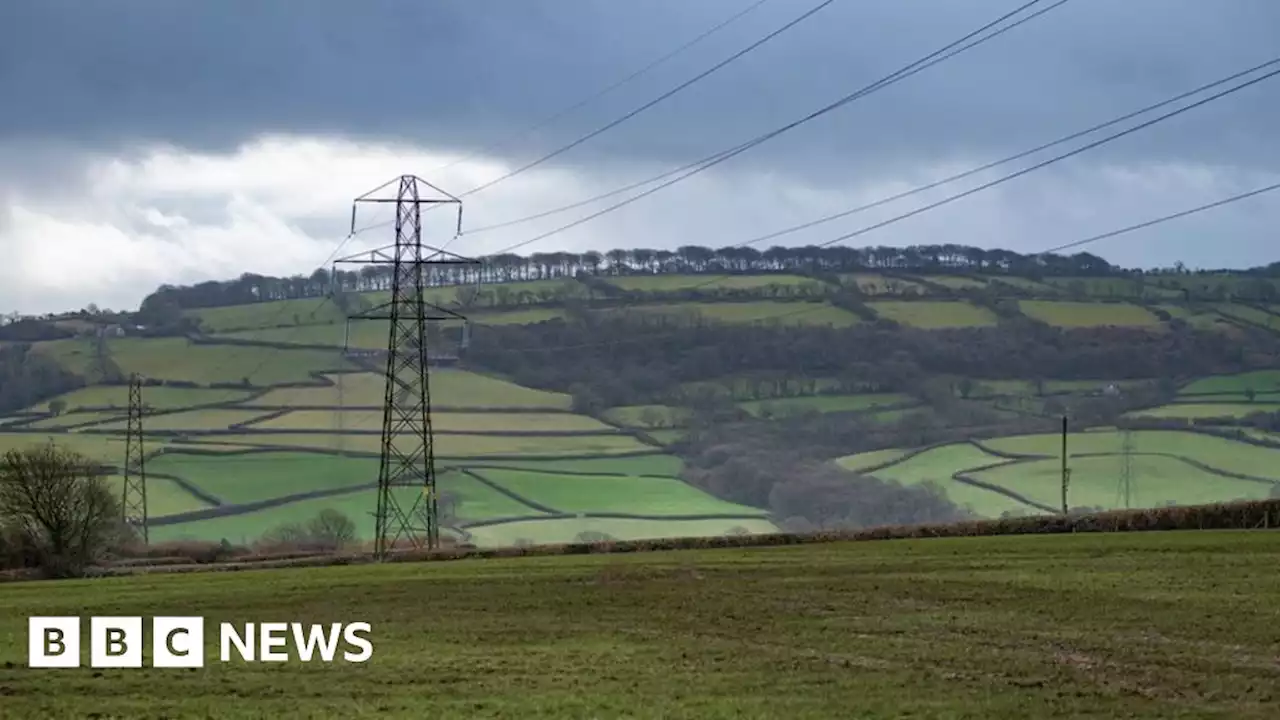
303	311
639	415
1200	319
372	334
666	438
263	476
1258	381
446	446
1249	315
862	461
764	312
206	419
1095	482
1086	314
933	315
876	284
607	494
449	388
158	397
106	448
658	465
711	283
486	422
178	359
75	418
1110	287
826	403
1029	627
565	531
957	282
1216	452
1205	410
937	464
164	496
1028	284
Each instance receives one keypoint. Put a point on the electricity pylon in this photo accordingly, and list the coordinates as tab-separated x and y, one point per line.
408	453
134	500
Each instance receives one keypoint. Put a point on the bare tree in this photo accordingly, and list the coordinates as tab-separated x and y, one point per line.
331	530
59	501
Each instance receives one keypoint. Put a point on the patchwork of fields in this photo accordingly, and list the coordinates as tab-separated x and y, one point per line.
291	430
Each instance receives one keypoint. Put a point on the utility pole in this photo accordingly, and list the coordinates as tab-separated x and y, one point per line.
408	453
134	500
1066	471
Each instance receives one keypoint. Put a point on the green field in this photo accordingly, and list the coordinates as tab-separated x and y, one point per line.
1200	319
1259	381
106	448
862	461
956	282
931	315
1096	482
1026	284
485	422
164	496
97	397
450	388
876	284
557	531
1206	410
67	420
1249	315
712	283
1085	314
304	311
1027	627
825	403
643	415
937	464
448	445
206	419
240	479
607	494
763	312
178	359
373	334
658	465
1215	452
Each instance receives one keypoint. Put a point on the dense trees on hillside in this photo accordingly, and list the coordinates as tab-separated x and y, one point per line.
28	377
635	361
251	287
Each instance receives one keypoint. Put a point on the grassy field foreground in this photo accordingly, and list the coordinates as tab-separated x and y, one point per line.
1152	625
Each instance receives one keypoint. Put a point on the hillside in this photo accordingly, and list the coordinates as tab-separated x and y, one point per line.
650	393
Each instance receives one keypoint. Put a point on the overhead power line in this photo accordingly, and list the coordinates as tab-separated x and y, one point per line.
812	307
609	88
1050	161
1009	159
609	126
941	55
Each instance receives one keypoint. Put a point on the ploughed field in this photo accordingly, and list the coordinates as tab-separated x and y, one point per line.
1140	625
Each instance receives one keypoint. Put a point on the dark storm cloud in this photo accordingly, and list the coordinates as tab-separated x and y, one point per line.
464	74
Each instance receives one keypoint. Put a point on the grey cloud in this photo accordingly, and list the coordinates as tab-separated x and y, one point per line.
464	74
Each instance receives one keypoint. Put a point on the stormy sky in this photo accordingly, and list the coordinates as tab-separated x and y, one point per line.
147	141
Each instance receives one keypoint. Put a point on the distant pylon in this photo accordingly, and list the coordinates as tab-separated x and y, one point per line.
134	500
408	452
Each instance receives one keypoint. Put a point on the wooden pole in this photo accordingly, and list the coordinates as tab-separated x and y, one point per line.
1066	472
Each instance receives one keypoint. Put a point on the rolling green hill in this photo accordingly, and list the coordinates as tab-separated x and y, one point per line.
618	402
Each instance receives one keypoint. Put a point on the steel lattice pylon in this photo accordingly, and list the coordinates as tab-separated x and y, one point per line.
134	499
407	504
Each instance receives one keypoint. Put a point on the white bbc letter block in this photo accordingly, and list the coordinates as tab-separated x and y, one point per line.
177	642
115	642
53	642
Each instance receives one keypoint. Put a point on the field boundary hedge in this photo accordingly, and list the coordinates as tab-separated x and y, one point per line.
1251	515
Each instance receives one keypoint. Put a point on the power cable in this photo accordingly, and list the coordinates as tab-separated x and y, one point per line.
610	88
609	126
924	63
1018	156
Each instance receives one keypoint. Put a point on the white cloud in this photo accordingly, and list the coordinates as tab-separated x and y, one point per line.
280	204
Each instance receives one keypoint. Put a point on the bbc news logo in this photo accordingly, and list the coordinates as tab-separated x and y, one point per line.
178	642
